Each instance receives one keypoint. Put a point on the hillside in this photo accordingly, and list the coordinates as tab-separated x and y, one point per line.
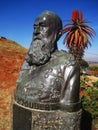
11	59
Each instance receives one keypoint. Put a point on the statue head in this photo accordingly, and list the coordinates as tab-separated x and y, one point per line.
47	31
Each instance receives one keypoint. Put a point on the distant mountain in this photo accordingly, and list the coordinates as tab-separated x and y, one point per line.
11	58
91	58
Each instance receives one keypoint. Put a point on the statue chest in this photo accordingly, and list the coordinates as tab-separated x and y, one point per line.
42	84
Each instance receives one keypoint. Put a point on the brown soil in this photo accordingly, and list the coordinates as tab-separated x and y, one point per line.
11	58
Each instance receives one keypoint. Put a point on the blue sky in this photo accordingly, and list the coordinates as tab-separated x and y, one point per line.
17	19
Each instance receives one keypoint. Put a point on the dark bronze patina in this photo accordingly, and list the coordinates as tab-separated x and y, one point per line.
49	79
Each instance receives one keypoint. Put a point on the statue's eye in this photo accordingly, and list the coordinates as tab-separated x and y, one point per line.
35	26
42	25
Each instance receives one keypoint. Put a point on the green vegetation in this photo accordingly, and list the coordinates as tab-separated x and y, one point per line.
93	68
90	97
95	84
90	102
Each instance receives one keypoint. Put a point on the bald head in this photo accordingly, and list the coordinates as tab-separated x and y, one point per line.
50	19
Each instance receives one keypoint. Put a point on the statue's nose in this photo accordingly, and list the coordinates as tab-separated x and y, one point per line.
36	30
30	53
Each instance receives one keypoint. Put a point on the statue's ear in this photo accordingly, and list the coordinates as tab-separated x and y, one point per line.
59	35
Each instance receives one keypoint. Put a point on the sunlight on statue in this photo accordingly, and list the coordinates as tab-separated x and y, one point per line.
49	79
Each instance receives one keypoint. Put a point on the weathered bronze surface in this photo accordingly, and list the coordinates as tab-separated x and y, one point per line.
47	90
49	78
25	118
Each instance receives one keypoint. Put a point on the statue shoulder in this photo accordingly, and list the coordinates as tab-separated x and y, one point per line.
66	57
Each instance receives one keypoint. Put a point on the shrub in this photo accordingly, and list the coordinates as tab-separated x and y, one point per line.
93	67
95	84
89	96
90	101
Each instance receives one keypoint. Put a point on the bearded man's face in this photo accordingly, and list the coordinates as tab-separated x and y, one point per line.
43	41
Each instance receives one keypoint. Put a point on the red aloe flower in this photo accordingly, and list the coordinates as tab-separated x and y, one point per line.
75	15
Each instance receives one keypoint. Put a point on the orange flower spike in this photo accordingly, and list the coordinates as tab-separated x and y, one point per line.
81	16
75	15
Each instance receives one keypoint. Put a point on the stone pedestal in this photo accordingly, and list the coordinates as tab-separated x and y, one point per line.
25	118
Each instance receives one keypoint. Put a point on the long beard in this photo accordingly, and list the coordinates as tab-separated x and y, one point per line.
38	53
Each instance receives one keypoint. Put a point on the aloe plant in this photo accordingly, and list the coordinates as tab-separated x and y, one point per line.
77	35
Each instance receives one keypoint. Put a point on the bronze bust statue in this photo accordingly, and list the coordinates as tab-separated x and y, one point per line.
49	79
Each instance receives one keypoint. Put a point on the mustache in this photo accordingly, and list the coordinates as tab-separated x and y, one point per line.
42	39
38	37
